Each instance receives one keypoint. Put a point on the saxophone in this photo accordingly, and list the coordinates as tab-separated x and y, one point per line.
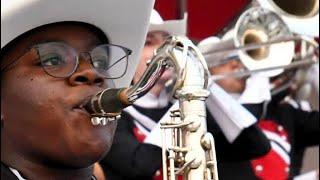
191	152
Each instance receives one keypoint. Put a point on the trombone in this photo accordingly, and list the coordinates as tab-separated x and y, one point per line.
301	16
263	43
307	59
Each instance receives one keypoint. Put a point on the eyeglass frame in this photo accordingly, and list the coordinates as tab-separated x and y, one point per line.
127	51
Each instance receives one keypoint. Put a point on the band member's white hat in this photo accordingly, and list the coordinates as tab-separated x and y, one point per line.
173	27
211	45
125	22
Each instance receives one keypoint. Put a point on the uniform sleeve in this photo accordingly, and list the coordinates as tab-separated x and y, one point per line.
231	117
250	143
130	158
234	128
306	126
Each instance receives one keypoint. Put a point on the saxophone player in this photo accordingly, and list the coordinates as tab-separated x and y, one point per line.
54	55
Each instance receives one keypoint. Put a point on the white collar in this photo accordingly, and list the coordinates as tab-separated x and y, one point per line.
151	101
257	90
16	172
235	96
18	175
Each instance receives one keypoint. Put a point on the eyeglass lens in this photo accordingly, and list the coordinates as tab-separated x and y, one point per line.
61	60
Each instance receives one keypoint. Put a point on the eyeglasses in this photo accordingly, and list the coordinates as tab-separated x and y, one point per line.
61	60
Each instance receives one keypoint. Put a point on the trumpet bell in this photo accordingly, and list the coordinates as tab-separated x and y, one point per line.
258	25
301	16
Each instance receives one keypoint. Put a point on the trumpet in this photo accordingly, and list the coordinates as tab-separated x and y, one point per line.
264	44
192	151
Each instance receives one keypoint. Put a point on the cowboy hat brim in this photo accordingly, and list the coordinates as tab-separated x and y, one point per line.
125	22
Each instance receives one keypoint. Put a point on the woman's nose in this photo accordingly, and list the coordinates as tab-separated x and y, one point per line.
85	74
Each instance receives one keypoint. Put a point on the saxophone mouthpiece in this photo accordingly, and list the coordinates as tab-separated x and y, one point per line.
107	105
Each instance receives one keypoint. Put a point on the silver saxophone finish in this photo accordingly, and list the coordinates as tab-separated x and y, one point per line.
191	152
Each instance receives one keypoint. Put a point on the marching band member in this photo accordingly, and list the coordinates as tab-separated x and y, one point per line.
136	151
289	130
304	91
54	55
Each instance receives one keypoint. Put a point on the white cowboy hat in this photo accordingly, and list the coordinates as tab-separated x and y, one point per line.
125	22
173	27
209	46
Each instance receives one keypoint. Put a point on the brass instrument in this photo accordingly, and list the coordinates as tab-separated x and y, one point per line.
264	44
301	16
192	151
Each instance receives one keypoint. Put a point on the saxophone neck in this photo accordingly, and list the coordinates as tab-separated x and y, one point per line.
176	52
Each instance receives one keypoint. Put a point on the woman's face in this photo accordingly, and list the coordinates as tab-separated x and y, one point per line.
42	119
230	84
153	41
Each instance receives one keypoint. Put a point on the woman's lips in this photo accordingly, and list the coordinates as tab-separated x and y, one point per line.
82	110
80	107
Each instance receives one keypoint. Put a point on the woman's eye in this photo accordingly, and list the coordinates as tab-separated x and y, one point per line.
100	64
52	60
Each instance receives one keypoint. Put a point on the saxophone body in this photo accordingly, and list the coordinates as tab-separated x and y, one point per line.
190	152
